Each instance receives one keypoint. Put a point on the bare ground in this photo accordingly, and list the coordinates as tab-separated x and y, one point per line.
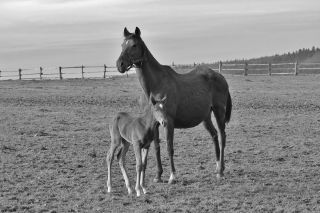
54	140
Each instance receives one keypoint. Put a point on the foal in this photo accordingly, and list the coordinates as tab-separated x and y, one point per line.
139	131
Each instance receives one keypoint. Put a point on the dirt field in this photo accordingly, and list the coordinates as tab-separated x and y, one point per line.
54	140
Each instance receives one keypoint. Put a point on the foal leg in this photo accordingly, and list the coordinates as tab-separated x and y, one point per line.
137	152
122	162
222	140
156	140
115	142
208	125
144	153
169	132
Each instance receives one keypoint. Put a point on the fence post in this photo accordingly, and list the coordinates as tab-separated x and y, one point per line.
41	73
82	71
104	71
220	66
245	69
0	73
20	75
269	68
296	68
60	72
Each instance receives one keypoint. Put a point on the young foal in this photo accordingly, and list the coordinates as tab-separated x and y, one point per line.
139	131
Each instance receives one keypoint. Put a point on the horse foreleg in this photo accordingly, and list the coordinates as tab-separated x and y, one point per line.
122	162
156	140
144	153
137	152
169	132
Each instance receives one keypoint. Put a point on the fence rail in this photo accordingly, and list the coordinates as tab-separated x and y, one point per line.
59	72
267	69
107	71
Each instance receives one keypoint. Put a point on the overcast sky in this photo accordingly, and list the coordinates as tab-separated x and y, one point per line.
73	32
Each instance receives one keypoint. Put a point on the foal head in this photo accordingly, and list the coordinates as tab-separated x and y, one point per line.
132	51
158	110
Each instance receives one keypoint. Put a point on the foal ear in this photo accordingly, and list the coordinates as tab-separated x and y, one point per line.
126	33
164	99
137	32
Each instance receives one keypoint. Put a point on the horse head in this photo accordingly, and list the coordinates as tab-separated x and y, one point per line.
132	51
158	107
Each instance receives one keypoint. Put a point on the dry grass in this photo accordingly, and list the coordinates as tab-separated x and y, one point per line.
54	139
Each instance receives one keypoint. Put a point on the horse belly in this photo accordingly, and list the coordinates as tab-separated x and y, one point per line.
191	116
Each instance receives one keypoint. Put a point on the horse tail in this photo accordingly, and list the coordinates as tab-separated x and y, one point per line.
228	108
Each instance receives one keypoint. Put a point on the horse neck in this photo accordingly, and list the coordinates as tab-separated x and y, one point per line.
150	74
150	121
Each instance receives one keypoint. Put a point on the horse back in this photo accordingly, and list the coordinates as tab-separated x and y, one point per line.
198	92
128	127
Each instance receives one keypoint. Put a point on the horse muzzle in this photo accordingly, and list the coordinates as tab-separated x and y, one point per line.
123	66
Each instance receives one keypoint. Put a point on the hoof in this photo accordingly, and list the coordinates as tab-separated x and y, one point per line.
219	176
172	178
144	191
129	191
157	180
171	181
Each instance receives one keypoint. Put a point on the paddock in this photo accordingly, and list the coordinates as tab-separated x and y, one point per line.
54	140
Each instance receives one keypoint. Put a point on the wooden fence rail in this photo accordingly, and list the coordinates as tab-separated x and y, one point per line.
43	73
267	69
224	68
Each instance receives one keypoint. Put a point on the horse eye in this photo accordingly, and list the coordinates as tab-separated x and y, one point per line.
134	46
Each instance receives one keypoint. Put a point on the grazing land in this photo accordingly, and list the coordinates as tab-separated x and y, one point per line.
54	140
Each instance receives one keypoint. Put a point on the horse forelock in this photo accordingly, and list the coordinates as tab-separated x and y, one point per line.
132	37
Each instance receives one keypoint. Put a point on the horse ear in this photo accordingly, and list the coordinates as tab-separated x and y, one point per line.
137	32
126	33
153	101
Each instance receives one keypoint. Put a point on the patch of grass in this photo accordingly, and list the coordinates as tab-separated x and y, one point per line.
54	141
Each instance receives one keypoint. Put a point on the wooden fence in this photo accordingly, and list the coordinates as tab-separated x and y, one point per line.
107	71
258	69
59	73
268	69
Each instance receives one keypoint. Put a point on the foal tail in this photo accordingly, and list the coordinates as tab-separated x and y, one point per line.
228	108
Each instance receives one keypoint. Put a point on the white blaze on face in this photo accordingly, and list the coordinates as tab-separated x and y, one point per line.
161	106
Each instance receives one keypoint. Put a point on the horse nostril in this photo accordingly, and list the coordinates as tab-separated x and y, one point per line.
121	64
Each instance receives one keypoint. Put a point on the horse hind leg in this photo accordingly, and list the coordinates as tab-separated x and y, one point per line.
220	118
115	142
208	125
122	161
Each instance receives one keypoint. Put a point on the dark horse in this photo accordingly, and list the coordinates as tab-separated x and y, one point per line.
190	100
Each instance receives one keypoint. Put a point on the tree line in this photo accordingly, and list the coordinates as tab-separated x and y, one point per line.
298	55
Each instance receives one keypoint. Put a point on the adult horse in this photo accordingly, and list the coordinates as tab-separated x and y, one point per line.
190	98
